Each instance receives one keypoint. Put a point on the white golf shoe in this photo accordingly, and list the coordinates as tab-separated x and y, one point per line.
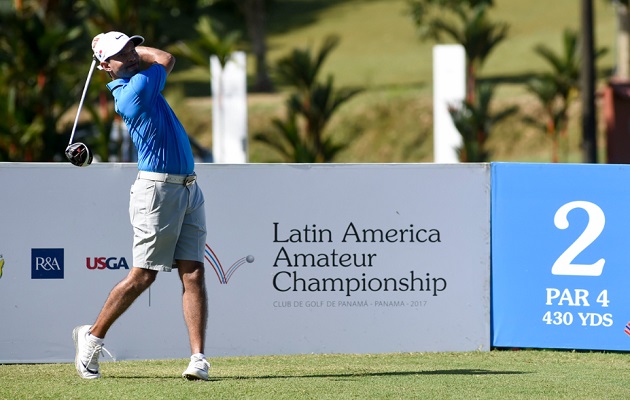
197	368
86	353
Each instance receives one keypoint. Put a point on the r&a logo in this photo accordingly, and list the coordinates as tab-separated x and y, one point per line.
46	263
106	263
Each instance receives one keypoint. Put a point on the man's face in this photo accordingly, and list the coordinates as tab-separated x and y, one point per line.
125	63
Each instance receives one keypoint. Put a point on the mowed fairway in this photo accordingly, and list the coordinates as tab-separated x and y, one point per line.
525	374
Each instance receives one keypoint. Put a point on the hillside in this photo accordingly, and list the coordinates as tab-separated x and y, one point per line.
392	120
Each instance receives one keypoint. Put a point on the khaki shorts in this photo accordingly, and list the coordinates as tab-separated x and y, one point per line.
169	223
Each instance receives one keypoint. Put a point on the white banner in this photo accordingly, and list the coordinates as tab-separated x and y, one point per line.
300	259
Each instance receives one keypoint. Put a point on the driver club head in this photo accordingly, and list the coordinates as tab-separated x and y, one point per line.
79	154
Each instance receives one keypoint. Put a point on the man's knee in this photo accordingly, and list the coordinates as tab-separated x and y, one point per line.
141	278
191	273
196	276
187	267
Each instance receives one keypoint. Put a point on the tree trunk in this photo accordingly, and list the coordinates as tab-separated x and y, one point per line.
471	82
587	78
623	42
256	23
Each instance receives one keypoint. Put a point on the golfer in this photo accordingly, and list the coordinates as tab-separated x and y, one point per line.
166	206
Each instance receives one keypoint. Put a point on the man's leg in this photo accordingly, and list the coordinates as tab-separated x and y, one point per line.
88	340
121	297
195	304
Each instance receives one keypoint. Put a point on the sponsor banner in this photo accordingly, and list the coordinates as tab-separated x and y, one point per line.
559	264
299	259
356	259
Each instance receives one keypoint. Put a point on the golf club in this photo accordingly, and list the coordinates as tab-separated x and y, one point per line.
78	153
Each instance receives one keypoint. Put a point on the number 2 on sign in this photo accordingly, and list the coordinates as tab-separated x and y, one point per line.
596	221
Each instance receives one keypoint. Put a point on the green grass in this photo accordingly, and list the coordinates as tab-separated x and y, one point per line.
379	46
530	374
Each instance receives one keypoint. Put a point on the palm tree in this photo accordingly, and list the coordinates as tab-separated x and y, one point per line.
300	68
565	66
557	90
473	30
317	107
208	42
314	101
555	109
474	121
287	140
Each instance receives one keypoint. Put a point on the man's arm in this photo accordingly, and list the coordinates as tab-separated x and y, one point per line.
150	55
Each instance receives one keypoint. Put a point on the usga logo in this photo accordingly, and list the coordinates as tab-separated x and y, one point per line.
46	263
106	263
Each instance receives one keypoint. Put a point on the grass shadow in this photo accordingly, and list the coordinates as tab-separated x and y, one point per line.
517	79
521	79
378	374
350	375
290	15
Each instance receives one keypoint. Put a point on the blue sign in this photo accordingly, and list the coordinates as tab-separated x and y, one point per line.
561	256
47	264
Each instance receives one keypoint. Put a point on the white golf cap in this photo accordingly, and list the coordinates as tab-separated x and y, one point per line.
105	45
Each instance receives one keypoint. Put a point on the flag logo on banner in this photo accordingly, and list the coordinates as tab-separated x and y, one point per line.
1	265
627	329
223	275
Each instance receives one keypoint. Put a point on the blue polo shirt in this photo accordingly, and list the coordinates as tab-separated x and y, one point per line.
159	137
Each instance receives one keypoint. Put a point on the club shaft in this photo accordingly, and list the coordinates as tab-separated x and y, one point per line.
87	84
